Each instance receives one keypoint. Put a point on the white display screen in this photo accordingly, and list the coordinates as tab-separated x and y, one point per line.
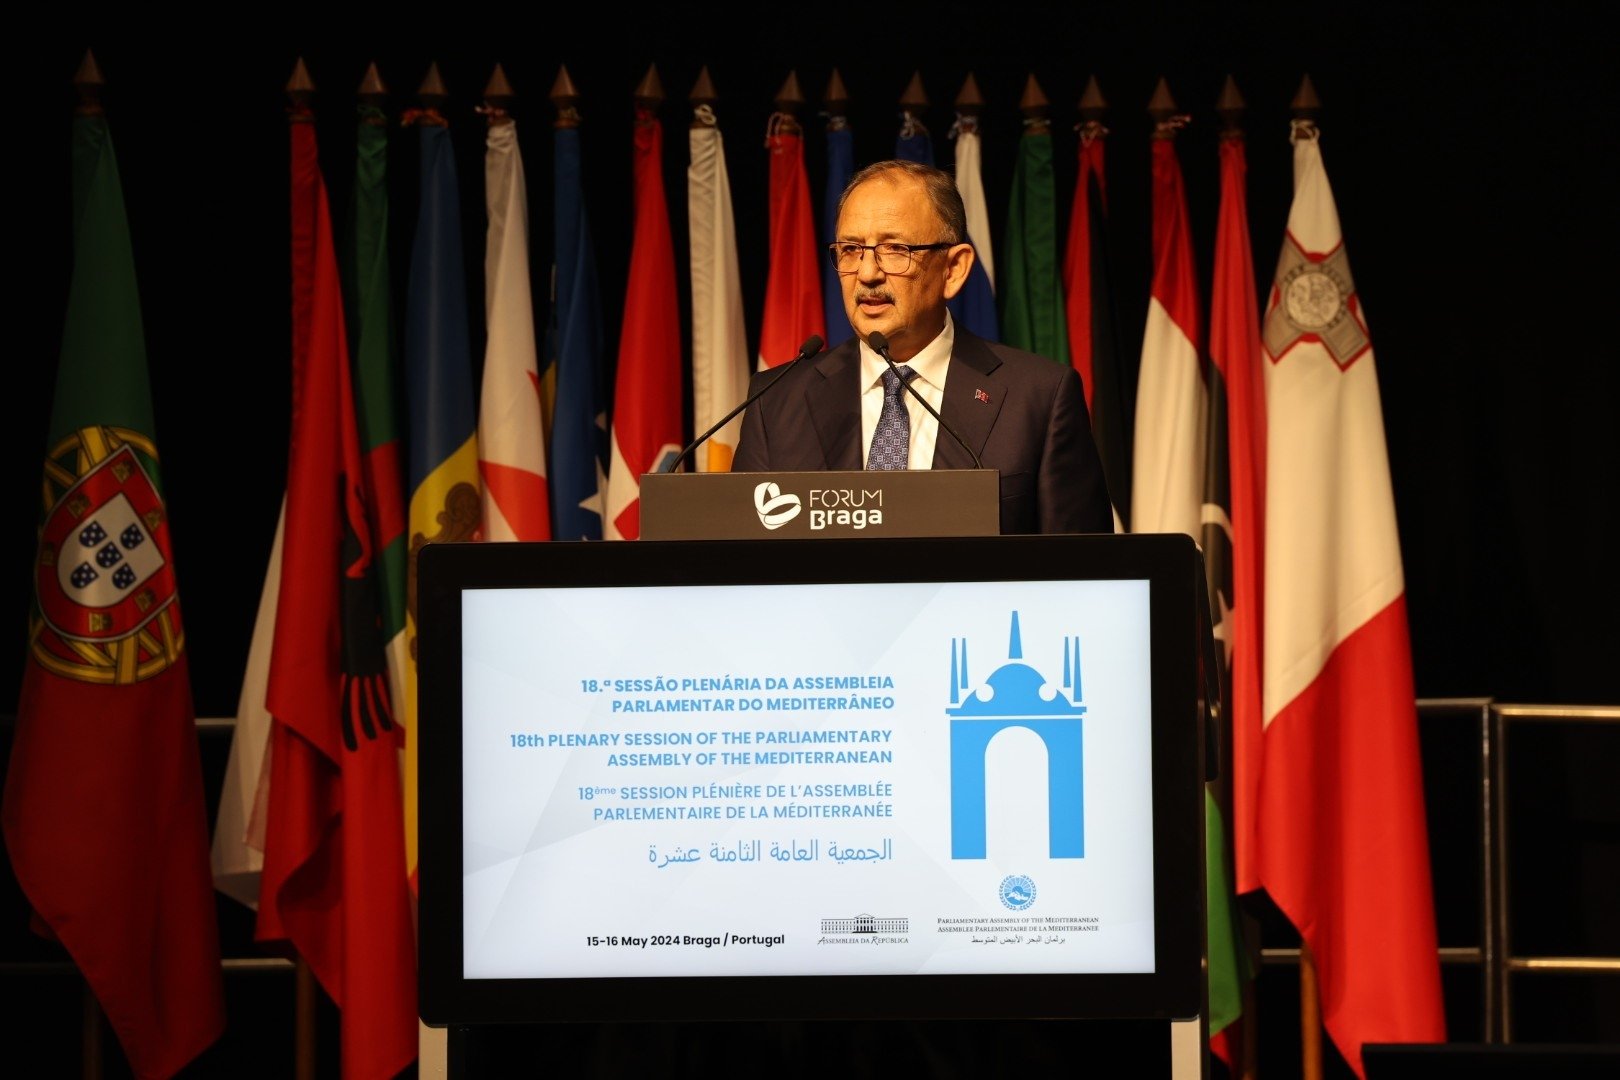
898	778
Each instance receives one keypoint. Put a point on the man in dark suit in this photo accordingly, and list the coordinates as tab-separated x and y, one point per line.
901	253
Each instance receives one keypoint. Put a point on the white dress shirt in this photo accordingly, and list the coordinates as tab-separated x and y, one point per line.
930	365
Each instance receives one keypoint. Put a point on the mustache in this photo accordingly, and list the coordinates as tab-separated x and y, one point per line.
863	293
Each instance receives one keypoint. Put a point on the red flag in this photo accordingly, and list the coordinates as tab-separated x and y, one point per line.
334	882
103	813
1094	348
647	390
793	288
1234	349
1231	539
1342	841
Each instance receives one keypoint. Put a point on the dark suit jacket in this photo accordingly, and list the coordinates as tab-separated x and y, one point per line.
1034	429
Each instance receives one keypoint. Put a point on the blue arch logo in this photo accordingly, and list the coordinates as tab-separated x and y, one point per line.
1017	695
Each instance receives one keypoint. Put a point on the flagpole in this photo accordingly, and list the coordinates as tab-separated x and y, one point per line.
1306	106
92	1034
1310	1016
87	83
300	94
1245	1052
303	1021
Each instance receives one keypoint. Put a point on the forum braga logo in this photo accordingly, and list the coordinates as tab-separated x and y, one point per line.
774	508
830	508
1016	695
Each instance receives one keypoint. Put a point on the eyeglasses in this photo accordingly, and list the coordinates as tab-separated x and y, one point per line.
891	258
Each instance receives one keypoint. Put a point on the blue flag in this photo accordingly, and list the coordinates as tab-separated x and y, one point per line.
579	422
914	143
840	167
443	449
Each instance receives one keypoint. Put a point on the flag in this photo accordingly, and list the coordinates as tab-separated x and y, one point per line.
511	439
1093	321
913	142
840	168
1032	297
975	306
1341	841
334	884
579	425
103	810
442	467
1171	403
238	852
719	342
647	391
376	390
792	289
1230	538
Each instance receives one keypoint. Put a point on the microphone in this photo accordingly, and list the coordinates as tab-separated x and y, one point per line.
811	346
880	345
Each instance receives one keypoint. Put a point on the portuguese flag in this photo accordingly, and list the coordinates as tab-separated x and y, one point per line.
103	811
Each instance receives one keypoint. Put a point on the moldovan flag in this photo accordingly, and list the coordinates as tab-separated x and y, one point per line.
1341	844
1093	322
511	440
719	341
334	883
442	463
792	288
103	812
647	392
1167	487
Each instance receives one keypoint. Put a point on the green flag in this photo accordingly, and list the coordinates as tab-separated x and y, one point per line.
1032	315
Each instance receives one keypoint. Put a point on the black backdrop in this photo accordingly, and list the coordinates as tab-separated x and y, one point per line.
1470	153
1469	159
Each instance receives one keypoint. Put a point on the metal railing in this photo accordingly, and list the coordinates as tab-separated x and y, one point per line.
1494	954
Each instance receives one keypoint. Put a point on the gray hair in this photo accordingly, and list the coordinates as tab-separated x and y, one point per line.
937	184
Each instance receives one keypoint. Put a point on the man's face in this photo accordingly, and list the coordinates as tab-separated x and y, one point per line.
909	308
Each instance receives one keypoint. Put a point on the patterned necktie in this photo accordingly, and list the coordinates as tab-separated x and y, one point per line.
891	439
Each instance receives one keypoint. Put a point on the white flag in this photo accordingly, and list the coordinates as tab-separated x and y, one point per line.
720	361
511	439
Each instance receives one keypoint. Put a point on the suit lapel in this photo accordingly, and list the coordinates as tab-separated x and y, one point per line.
828	398
964	409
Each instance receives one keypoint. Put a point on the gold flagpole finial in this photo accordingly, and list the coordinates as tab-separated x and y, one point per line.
1306	105
969	100
1035	107
372	90
835	101
565	96
1230	106
87	83
1167	119
649	93
789	100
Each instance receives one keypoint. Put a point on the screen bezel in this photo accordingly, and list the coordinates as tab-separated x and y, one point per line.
1174	990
